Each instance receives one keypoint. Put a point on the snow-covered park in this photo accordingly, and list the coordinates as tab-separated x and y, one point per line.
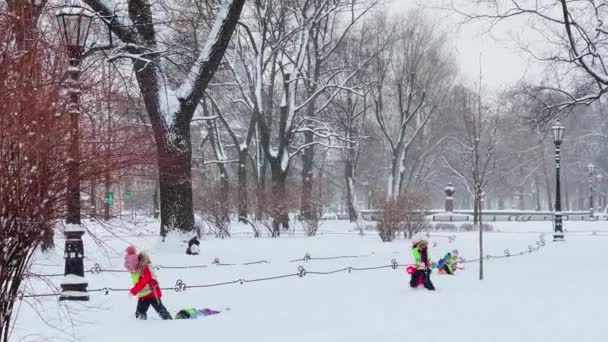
553	293
285	170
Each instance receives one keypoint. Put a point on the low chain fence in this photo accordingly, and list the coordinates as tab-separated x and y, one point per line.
302	272
98	269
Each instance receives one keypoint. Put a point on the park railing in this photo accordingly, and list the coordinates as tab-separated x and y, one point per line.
302	272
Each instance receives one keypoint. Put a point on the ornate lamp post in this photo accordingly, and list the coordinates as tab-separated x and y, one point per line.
599	191
74	23
591	168
558	135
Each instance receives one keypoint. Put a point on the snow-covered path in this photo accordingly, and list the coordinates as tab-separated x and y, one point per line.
556	294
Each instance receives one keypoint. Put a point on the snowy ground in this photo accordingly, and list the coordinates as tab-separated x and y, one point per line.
554	294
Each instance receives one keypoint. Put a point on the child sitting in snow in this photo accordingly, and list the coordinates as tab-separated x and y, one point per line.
422	263
449	262
145	286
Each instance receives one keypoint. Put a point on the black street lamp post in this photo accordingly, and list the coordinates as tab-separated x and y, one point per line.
558	135
599	192
591	168
74	23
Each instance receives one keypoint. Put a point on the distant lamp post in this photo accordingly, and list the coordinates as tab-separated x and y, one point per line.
74	23
600	194
558	136
591	169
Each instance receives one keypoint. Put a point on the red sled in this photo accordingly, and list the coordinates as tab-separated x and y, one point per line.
411	270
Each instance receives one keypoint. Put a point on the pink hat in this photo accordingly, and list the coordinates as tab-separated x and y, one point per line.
131	260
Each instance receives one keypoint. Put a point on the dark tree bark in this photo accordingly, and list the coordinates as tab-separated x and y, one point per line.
261	190
243	203
93	199
307	206
106	207
155	202
349	178
279	206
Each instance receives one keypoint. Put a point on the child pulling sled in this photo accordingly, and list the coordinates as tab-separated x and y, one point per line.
422	264
145	285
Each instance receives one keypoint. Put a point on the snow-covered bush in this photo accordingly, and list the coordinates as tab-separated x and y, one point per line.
405	214
469	227
448	227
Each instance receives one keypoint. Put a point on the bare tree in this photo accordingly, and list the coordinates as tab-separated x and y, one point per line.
413	75
474	150
170	105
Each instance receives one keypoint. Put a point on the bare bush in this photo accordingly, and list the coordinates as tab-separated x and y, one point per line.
405	214
277	206
312	225
32	152
214	209
470	227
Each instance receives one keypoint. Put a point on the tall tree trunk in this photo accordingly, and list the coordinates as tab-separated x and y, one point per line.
155	200
393	181
319	207
350	190
224	193
280	211
93	199
261	196
107	187
475	211
260	168
243	203
175	177
307	177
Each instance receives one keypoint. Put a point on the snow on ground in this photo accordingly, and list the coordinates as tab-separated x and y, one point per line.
555	294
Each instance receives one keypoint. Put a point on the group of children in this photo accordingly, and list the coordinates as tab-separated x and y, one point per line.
146	288
421	271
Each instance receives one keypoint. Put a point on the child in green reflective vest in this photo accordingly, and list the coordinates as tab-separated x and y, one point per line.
422	263
145	285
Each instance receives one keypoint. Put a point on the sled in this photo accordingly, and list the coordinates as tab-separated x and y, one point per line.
410	270
191	313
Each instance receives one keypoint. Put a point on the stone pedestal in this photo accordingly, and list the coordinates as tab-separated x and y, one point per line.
449	199
74	285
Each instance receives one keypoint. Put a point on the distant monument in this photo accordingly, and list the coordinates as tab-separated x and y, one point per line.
449	199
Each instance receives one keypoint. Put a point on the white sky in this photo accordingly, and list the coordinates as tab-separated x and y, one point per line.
503	62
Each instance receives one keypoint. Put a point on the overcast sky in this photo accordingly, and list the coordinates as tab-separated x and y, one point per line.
503	62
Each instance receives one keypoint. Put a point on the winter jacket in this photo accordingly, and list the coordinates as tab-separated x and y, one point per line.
145	285
422	258
448	261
